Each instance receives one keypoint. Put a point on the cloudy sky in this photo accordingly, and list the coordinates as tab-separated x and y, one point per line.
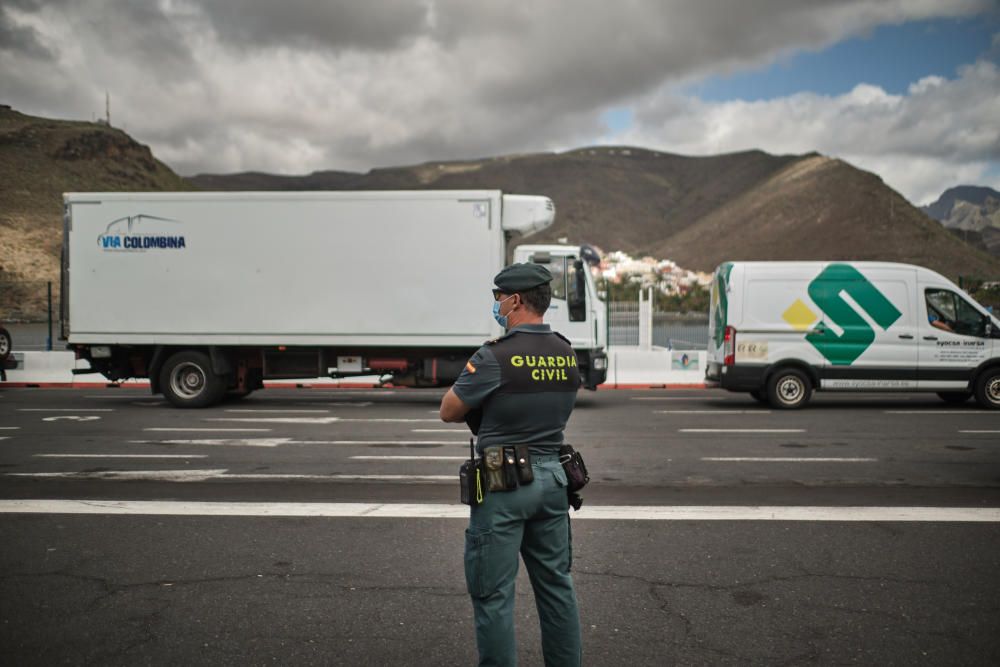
909	89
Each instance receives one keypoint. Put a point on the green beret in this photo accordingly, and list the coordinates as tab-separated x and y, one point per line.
520	277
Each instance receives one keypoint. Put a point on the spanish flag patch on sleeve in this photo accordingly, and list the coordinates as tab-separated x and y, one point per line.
469	367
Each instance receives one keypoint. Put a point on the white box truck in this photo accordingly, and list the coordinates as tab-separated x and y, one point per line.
208	293
781	330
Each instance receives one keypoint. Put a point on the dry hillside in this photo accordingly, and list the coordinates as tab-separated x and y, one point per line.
40	159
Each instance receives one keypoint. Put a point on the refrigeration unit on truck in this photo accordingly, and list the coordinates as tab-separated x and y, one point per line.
780	330
212	293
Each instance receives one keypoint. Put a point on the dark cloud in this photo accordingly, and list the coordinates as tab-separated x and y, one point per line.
379	25
300	85
20	39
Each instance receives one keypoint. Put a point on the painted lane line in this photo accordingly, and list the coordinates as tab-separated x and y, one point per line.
159	475
221	474
678	398
789	459
121	456
439	430
712	412
275	442
71	418
456	511
348	404
232	442
409	458
957	413
316	420
4	437
65	409
277	420
741	430
212	430
10	428
979	431
283	411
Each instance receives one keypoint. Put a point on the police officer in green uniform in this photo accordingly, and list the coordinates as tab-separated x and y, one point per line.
525	385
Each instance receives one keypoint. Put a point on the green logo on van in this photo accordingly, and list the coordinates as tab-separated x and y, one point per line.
721	311
826	292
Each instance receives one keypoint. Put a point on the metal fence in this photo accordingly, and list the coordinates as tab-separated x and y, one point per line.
30	312
680	331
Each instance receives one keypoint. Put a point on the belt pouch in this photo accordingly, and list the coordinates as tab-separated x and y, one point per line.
576	469
524	473
509	468
493	463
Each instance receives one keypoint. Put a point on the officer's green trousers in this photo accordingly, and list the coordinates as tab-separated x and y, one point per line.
533	521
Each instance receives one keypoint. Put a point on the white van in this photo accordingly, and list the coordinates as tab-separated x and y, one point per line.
781	330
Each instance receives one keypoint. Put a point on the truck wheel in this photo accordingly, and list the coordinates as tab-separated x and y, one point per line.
187	381
759	395
988	389
954	397
788	389
6	345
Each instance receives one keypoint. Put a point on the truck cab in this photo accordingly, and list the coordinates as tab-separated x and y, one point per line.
576	312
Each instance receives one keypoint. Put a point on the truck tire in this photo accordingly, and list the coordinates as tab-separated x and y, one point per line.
954	397
988	388
6	344
187	381
788	389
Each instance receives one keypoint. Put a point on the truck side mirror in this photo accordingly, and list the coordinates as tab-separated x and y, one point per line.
577	297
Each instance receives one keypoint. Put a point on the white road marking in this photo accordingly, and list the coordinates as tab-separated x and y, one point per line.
212	430
741	430
275	442
349	404
961	412
439	430
4	437
442	511
314	420
65	409
979	431
10	428
158	475
72	418
234	442
205	475
678	398
121	456
790	459
283	411
409	458
712	412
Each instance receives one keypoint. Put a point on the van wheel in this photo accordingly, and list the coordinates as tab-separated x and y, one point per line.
759	395
187	381
5	344
788	389
955	397
988	389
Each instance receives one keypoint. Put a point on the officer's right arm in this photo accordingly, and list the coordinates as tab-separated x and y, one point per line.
478	380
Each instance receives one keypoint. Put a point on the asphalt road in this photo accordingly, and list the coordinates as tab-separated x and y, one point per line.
305	527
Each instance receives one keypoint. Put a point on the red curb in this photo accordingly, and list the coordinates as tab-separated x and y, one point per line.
303	385
610	385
